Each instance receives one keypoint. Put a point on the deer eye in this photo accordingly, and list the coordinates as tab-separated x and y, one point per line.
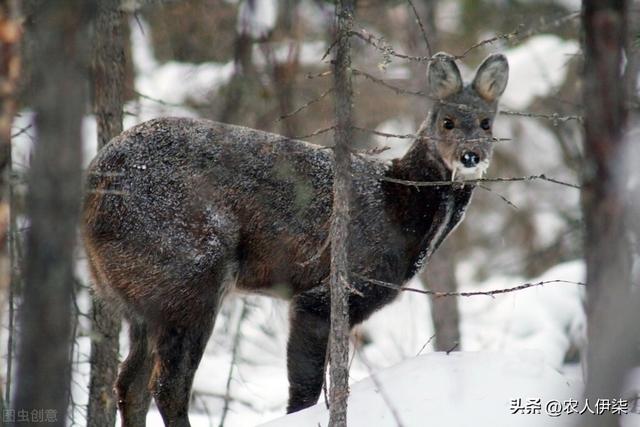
485	124
448	124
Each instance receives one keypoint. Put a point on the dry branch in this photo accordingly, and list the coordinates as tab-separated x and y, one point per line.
306	105
541	177
234	355
554	117
438	294
424	33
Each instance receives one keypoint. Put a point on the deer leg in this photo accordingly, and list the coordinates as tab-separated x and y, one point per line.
132	385
179	350
309	335
307	348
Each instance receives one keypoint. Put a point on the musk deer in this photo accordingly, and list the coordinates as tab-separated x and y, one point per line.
180	211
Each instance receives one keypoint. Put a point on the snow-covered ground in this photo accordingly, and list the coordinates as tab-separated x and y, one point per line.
457	390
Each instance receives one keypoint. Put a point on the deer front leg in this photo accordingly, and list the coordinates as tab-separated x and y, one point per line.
307	348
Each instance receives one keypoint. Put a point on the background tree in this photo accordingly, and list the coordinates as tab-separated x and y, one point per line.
612	302
58	63
108	67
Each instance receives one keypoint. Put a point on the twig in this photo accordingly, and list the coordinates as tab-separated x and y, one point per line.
517	34
320	74
453	347
385	48
424	137
541	177
234	355
555	117
22	130
211	394
302	107
490	190
329	49
378	385
438	294
316	133
157	100
425	344
424	33
507	36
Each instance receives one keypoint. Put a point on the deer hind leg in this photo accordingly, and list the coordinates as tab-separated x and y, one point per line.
179	350
181	334
132	385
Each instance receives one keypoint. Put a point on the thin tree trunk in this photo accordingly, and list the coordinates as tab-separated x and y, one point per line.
9	77
440	275
440	272
339	335
108	85
58	93
611	307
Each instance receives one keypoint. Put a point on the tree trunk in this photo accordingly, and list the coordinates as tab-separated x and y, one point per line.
108	85
53	202
440	276
9	77
339	335
440	272
611	307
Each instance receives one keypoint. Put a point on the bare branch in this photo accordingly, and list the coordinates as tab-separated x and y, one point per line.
234	355
423	137
380	388
554	117
490	190
541	177
320	74
302	107
424	33
315	133
507	36
22	130
516	35
425	345
437	294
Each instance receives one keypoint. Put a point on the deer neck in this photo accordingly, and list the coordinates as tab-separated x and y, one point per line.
423	214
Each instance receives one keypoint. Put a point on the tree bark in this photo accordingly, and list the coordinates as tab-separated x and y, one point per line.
339	335
440	276
108	89
53	202
611	306
440	272
9	78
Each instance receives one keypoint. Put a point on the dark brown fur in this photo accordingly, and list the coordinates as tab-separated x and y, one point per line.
179	211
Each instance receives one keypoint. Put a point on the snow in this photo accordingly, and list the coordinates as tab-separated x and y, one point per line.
397	147
454	390
173	82
536	68
548	318
257	17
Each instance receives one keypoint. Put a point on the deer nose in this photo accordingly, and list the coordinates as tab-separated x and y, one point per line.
470	159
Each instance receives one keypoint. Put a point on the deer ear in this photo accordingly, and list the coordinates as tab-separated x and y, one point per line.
443	76
492	77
